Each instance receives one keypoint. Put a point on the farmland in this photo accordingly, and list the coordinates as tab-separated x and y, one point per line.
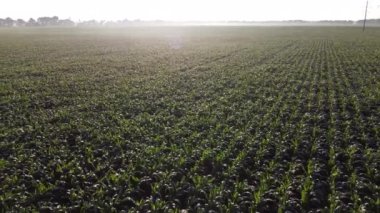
204	119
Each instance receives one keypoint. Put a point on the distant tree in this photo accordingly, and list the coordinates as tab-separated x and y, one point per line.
2	22
90	23
54	20
9	22
370	22
66	23
32	23
110	23
20	23
374	22
48	21
125	22
43	21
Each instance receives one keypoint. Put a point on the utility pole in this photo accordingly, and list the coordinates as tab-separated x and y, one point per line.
365	16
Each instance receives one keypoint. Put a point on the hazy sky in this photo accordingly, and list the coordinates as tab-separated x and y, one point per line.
191	10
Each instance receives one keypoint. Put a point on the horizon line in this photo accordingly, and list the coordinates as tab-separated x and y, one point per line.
196	21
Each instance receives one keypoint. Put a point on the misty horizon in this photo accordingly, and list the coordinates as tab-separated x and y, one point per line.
55	21
185	21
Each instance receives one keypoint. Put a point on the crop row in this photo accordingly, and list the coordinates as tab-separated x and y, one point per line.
163	120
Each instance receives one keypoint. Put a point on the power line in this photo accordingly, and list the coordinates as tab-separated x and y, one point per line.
365	15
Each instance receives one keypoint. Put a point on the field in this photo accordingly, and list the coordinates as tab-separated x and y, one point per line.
203	119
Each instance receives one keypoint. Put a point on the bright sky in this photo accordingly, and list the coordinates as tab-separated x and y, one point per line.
191	10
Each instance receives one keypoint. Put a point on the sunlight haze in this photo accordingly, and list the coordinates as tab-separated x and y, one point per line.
194	10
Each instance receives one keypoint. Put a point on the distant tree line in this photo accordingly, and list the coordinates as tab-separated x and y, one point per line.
370	21
40	22
56	22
